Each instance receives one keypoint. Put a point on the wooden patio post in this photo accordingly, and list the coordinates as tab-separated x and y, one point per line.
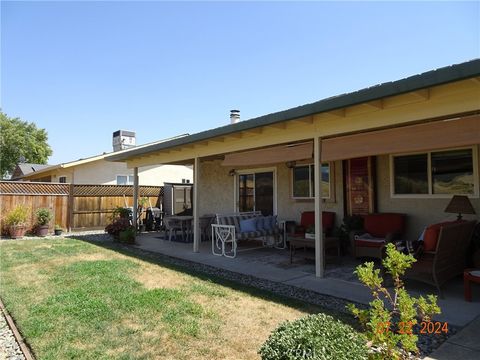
135	196
319	246
196	218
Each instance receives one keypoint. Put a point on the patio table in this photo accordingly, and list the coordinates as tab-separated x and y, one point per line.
300	242
186	224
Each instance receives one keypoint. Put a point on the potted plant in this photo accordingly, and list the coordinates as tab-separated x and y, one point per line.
58	230
16	221
310	232
44	216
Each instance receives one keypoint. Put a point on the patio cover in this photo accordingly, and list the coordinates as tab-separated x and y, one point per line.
272	155
422	137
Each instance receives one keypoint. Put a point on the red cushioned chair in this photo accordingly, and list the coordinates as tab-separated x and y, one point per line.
378	230
308	219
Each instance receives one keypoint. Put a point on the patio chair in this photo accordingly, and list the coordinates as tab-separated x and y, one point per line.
448	260
172	226
378	230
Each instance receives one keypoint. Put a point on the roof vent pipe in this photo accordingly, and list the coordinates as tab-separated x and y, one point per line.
234	116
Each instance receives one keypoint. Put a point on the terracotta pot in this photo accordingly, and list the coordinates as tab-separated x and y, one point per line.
42	230
17	231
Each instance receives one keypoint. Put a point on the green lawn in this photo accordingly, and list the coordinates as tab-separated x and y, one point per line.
72	299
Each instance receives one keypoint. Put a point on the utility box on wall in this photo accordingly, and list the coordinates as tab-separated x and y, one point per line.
177	199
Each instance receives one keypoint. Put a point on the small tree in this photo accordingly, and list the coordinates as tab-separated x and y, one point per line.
21	140
389	320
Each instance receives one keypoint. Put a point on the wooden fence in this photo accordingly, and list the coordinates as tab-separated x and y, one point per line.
74	207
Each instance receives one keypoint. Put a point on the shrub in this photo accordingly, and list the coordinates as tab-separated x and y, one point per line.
390	319
316	337
127	235
17	216
118	225
44	216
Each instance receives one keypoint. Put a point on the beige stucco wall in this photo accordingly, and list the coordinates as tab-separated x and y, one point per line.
105	173
420	211
216	192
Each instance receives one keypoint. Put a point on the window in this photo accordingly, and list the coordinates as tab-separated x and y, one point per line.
124	180
304	181
435	173
62	179
185	181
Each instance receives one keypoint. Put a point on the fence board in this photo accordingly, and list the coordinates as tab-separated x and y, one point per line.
73	206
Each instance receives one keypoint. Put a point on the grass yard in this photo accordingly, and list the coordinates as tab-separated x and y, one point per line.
72	299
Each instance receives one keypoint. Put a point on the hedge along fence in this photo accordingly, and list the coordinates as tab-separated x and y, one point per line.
74	206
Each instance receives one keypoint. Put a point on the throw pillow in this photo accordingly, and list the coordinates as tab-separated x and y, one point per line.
248	225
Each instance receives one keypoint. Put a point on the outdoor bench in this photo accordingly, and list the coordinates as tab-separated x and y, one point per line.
231	228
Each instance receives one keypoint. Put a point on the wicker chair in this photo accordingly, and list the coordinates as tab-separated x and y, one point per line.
449	258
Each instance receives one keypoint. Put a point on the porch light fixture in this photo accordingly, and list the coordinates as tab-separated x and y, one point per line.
232	172
291	164
460	204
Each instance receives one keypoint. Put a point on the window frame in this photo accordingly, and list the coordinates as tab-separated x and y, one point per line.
128	183
430	195
62	177
311	190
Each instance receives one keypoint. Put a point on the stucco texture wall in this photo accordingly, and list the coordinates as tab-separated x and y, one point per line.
216	192
420	211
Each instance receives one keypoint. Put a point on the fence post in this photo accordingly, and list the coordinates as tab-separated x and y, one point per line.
70	208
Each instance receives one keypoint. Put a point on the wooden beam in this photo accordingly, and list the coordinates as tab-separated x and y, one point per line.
337	113
423	94
376	104
281	125
218	139
306	120
255	131
236	135
476	80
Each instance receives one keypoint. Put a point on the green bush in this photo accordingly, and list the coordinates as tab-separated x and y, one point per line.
392	314
17	216
315	337
44	216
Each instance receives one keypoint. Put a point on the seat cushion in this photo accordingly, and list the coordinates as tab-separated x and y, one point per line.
307	219
430	236
247	225
380	225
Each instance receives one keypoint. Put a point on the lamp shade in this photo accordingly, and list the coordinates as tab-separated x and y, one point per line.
460	204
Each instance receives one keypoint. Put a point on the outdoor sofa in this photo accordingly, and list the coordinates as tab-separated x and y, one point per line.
231	228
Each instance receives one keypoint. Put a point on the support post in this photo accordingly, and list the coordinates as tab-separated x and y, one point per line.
196	217
319	245
135	197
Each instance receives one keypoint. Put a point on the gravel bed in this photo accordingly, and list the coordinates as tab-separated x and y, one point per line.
9	348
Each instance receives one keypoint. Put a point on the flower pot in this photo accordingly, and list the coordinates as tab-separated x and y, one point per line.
17	231
58	232
42	230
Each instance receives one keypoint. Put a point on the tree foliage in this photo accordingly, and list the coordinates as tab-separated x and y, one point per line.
21	140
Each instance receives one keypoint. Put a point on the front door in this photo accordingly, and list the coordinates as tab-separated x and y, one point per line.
256	192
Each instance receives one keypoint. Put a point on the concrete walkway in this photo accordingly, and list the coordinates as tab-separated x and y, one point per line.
274	265
465	345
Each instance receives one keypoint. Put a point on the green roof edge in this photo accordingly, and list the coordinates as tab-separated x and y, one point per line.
427	79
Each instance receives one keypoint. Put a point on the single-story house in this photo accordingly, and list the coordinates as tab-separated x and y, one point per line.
404	146
96	170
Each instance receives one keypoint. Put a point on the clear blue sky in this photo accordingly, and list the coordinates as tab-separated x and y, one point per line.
82	70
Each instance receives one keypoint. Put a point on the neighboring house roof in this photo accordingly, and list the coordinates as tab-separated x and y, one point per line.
27	168
413	83
82	161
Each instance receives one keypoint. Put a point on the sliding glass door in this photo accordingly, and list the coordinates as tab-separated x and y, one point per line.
256	192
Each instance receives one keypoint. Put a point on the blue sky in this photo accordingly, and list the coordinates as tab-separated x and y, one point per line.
82	70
